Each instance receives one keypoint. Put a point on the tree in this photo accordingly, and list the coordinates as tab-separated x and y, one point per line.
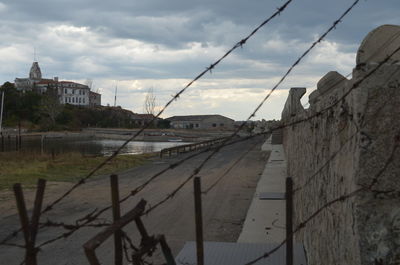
50	107
11	102
149	102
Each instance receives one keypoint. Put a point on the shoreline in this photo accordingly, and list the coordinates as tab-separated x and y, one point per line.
149	135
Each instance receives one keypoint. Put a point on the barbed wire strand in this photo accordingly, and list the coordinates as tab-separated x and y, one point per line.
377	67
93	215
355	85
342	198
175	97
216	150
348	140
139	188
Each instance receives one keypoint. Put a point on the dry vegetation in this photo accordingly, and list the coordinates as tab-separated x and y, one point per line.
26	168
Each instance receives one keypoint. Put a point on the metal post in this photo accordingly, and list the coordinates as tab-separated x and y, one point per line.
116	216
2	142
199	221
289	221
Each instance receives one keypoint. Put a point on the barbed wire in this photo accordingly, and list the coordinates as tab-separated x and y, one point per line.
175	97
96	213
344	197
356	191
341	198
355	85
146	125
218	147
67	226
348	140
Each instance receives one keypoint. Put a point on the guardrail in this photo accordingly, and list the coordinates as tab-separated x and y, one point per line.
190	147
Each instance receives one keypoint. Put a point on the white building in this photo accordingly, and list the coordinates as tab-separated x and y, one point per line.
67	92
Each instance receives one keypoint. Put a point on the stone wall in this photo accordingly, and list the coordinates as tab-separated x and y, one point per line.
348	142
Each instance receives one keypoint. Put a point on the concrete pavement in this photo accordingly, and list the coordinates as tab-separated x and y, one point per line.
265	220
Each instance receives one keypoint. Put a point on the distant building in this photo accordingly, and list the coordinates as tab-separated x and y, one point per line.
202	122
142	119
94	99
67	92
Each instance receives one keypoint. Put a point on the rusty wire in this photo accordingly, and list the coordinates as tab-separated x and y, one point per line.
91	217
175	97
344	197
216	149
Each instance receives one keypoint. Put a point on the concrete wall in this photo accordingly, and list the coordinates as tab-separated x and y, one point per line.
344	146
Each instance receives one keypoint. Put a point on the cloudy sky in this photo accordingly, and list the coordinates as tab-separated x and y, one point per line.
162	44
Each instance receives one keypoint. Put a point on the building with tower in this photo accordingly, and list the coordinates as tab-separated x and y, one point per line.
67	92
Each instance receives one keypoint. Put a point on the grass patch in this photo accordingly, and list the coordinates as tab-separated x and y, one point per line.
27	167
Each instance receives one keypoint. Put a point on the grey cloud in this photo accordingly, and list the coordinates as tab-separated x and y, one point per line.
172	24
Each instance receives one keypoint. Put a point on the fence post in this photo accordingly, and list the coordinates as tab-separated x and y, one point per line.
30	229
19	134
199	220
289	221
2	142
116	216
166	251
37	208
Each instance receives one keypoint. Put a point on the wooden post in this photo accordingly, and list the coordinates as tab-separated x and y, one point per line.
142	229
37	208
19	135
289	221
2	141
166	251
199	221
30	229
91	245
42	144
116	216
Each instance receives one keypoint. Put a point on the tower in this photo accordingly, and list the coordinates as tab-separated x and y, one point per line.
35	72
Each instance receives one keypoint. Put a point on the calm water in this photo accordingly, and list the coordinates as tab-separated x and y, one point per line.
88	146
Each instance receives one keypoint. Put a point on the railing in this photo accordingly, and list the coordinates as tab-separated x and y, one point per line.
190	147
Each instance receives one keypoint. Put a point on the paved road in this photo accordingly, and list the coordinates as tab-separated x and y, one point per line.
224	206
